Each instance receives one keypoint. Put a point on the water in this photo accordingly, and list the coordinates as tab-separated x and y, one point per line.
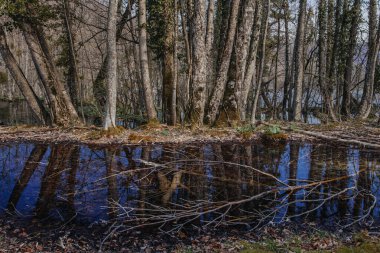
245	185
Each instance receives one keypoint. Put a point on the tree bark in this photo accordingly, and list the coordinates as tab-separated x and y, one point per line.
63	110
285	111
322	58
222	74
243	41
72	73
373	50
199	64
110	109
168	69
145	75
349	62
298	59
259	80
250	72
23	84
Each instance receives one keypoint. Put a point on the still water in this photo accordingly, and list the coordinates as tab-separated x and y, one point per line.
171	186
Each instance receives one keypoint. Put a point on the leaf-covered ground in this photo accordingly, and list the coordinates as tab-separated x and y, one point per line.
43	236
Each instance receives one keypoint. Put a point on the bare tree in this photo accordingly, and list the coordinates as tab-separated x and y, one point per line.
145	75
298	58
110	109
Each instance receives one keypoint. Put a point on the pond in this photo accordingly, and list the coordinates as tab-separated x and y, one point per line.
171	187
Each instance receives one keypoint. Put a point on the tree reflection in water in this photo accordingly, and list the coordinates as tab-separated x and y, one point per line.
173	186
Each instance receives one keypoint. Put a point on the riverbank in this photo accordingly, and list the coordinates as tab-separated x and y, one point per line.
273	238
355	133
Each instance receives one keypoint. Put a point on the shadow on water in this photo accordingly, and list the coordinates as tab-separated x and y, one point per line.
172	187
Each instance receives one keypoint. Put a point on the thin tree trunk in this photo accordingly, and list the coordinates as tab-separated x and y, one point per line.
349	63
285	111
99	85
298	59
175	66
110	109
21	81
243	41
222	74
63	111
373	50
250	72
323	46
263	36
72	75
168	68
148	92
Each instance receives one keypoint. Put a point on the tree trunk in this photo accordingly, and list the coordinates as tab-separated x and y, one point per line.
21	81
349	63
63	111
72	73
285	111
222	74
243	41
199	64
145	75
259	80
110	109
373	50
168	63
99	85
250	72
322	59
298	59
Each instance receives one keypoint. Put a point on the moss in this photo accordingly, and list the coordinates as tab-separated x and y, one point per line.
152	124
367	247
246	131
111	132
137	138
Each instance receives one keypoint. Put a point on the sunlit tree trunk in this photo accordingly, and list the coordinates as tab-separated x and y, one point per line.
259	80
145	75
243	41
250	72
110	109
63	110
199	64
168	68
222	74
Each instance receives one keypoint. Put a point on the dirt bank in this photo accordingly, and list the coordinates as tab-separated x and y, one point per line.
349	133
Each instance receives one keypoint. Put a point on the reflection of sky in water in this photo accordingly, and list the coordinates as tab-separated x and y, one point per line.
92	181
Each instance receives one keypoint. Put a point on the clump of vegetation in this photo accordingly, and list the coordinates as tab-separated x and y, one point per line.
152	124
273	133
246	131
137	138
165	132
111	132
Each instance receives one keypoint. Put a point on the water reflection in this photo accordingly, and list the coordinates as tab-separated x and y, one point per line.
245	184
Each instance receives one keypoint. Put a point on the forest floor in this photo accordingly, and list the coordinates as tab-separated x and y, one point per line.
357	133
274	238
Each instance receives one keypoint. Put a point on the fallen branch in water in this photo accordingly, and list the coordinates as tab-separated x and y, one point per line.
328	137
